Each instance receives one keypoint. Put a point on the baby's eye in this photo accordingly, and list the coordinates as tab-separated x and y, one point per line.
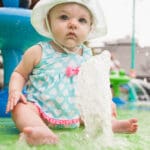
82	20
64	17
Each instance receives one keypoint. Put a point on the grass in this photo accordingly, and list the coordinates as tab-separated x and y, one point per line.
75	139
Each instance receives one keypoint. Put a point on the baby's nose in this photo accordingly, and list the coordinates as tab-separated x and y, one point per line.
73	24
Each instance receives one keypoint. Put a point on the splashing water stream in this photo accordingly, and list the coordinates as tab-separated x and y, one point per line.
94	97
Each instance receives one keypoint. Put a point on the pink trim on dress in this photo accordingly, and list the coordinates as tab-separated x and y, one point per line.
56	121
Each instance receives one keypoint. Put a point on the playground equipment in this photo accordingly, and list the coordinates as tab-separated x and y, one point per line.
16	35
118	78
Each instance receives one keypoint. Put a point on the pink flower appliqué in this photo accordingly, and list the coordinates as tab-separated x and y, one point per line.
71	71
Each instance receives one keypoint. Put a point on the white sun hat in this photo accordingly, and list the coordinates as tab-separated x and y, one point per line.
41	9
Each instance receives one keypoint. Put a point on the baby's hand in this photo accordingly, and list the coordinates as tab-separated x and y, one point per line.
13	99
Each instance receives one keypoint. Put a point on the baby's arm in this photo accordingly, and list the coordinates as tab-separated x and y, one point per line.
16	84
20	76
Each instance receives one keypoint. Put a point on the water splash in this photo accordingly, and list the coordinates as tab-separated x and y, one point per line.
94	97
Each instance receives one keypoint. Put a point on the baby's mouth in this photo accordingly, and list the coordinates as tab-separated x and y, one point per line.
71	35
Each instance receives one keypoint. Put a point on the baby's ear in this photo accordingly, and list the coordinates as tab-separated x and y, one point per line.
91	28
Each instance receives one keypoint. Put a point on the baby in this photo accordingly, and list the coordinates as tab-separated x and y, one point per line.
51	69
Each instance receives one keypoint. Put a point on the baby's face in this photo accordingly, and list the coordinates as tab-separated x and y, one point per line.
70	24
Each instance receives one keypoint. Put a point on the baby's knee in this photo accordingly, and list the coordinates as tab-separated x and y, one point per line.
18	108
22	108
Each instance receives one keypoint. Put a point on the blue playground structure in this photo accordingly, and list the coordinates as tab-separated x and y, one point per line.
16	35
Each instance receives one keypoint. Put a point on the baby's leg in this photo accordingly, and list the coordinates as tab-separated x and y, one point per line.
114	110
28	121
124	126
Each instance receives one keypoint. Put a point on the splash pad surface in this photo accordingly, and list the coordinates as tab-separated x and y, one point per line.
74	139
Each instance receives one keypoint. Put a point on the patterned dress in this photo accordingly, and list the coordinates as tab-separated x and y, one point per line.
52	90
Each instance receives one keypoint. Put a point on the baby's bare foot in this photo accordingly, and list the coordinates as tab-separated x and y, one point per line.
39	136
125	126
